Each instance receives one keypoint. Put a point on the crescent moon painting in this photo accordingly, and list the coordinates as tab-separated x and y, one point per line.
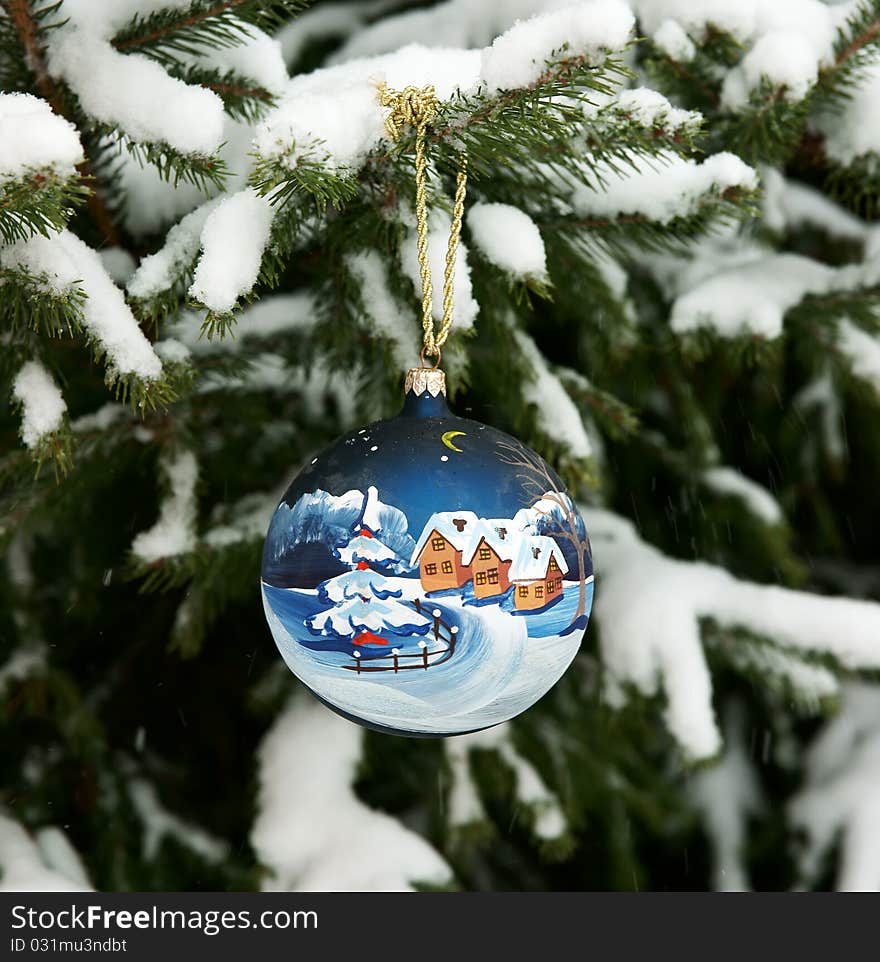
447	440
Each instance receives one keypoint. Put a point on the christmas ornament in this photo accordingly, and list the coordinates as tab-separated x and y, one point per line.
427	575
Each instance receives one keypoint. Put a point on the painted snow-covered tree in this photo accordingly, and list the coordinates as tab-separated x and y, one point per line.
367	620
364	601
668	286
361	582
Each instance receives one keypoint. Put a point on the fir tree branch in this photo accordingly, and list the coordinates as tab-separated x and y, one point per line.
525	125
206	24
161	28
868	35
857	39
243	99
56	449
22	19
768	129
28	30
202	171
29	303
38	203
627	229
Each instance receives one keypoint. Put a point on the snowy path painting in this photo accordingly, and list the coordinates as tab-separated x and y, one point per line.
498	670
457	626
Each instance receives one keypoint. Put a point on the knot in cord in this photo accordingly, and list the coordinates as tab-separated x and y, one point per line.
411	107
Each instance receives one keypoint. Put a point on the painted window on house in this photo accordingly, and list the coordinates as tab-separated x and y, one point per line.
438	544
523	591
481	577
430	569
539	591
485	554
447	567
551	587
493	576
553	565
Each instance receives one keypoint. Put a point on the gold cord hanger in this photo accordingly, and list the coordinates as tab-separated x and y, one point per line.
415	107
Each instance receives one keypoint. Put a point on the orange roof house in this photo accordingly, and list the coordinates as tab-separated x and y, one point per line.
537	572
489	554
438	551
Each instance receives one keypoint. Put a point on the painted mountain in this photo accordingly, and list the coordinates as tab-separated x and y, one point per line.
304	538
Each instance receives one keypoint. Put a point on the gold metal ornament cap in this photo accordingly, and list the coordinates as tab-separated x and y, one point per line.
422	379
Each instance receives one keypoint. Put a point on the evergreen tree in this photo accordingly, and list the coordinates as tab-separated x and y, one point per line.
668	286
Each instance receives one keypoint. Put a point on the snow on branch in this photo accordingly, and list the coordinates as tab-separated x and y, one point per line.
159	824
332	21
42	406
39	180
786	44
558	416
519	57
33	138
311	830
841	798
649	610
757	499
509	238
862	352
726	794
21	664
382	311
246	520
67	264
790	206
45	864
132	92
233	239
806	686
450	23
174	531
698	17
754	297
161	271
851	129
255	57
791	43
332	117
661	188
651	110
464	805
672	39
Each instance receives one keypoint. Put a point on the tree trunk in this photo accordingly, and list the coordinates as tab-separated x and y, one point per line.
582	592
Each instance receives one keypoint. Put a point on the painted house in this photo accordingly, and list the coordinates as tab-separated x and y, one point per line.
438	551
536	572
489	555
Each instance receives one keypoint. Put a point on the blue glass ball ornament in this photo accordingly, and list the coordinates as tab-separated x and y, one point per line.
427	575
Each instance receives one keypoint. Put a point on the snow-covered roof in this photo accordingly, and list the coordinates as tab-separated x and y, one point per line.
444	523
490	530
544	509
533	556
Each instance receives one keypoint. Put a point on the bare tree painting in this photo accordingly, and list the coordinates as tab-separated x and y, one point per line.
540	483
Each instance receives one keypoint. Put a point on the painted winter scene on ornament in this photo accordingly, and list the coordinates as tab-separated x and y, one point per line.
427	575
